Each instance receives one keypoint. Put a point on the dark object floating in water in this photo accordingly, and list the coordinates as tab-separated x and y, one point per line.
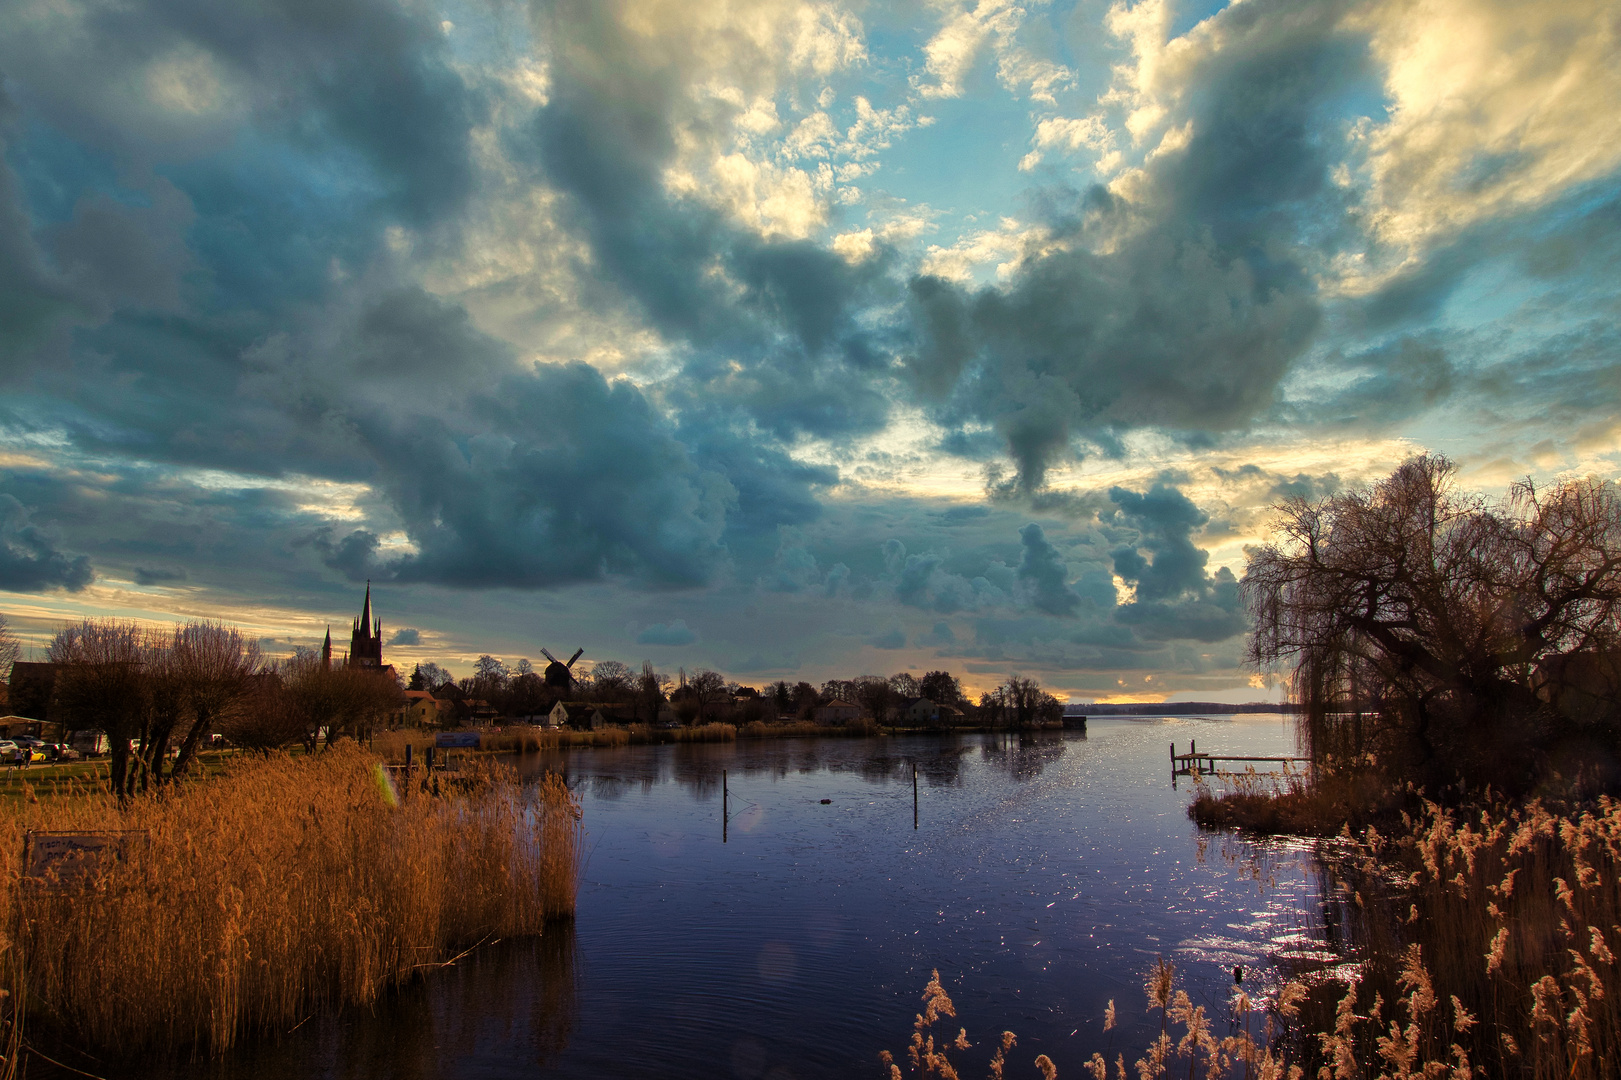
1238	975
826	801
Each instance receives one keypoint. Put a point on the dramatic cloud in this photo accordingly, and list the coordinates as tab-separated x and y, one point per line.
29	559
1179	295
980	333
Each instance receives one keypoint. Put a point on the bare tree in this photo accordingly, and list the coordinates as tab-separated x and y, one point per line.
1476	636
873	693
612	681
342	700
164	704
843	689
805	699
216	666
99	685
434	678
10	648
942	688
269	718
1020	702
905	685
650	689
708	688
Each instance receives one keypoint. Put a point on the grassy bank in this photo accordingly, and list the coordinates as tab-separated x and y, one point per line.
288	885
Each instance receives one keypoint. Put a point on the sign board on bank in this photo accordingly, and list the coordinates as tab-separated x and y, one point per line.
456	740
61	858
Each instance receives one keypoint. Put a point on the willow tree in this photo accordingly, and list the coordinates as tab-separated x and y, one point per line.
1478	638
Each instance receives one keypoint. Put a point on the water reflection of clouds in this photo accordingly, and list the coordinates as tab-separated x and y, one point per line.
1049	870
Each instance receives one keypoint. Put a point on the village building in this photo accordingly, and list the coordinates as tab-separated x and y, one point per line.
837	711
921	712
580	715
32	685
423	709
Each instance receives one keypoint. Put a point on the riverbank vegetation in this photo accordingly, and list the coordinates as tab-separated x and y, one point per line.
1484	943
1458	668
498	693
240	906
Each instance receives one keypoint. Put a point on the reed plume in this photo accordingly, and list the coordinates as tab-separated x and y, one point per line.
243	904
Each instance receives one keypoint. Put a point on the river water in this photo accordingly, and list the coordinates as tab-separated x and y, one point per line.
1045	874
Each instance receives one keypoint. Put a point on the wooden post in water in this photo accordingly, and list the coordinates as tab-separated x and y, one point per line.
725	796
914	795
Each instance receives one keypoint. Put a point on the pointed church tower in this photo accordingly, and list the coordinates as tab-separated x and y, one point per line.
366	638
326	650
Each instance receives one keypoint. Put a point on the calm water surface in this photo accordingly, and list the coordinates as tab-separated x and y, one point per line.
1046	873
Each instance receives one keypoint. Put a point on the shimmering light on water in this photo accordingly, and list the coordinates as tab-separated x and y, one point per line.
1047	873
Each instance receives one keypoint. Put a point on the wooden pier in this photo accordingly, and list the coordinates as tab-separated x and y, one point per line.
1194	763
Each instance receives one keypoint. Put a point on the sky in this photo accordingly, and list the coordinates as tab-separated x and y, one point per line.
797	340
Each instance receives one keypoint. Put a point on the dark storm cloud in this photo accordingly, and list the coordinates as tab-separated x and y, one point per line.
370	77
1044	574
29	558
555	476
220	322
1185	308
1165	519
922	581
406	635
773	323
1175	598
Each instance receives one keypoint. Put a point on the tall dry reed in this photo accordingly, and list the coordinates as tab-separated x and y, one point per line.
285	886
1489	937
1486	943
1254	1049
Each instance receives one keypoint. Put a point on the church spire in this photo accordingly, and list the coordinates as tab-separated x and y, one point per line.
326	649
365	614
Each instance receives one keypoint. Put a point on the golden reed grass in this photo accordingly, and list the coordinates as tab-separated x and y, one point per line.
285	886
1488	946
1187	1042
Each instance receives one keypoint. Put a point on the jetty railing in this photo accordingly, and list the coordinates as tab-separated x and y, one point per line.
1194	763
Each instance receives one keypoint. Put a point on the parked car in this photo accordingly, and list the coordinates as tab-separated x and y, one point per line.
63	752
7	749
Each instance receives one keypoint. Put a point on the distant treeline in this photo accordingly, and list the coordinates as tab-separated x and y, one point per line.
1177	708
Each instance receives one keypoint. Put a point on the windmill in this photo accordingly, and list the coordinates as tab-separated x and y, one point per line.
560	676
